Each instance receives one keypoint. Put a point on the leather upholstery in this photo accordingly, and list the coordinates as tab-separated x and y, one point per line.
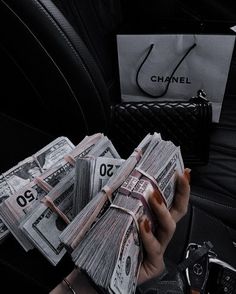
53	57
70	94
186	123
99	34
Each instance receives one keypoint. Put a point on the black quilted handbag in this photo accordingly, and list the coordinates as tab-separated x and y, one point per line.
186	123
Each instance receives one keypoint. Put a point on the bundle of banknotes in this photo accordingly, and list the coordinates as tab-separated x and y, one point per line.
86	200
25	171
44	224
103	238
91	174
24	186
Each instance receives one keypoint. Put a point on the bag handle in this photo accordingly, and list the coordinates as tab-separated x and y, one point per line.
168	83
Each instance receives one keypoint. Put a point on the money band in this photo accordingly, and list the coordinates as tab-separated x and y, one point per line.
50	204
70	159
127	211
148	176
108	191
45	186
137	153
69	286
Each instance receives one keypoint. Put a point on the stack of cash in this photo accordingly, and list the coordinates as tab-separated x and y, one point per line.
45	222
25	171
91	174
84	220
109	251
59	158
87	201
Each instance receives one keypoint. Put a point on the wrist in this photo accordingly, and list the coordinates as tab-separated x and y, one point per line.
151	283
74	283
79	282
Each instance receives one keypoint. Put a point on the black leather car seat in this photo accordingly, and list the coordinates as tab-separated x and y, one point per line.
67	84
97	23
51	86
74	86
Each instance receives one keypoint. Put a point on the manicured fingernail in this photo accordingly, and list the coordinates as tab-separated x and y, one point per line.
147	225
157	197
141	219
187	174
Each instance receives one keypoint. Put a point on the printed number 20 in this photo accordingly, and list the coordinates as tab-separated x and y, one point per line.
106	170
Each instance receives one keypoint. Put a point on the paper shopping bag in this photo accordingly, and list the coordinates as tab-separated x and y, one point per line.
159	67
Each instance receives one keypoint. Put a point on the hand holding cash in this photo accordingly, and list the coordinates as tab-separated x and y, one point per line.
154	246
110	220
115	217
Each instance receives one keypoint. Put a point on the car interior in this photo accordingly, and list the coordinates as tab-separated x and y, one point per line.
60	77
